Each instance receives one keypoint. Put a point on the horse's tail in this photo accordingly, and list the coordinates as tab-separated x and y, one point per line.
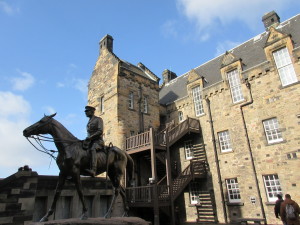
130	168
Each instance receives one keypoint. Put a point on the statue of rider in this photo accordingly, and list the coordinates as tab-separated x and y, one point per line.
94	140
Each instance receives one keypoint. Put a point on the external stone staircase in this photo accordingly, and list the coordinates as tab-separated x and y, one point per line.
206	208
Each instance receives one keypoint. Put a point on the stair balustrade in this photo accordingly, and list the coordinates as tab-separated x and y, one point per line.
173	134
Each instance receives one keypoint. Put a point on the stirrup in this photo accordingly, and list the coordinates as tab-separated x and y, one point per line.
91	172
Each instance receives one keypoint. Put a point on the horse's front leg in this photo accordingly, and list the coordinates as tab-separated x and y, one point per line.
78	184
59	186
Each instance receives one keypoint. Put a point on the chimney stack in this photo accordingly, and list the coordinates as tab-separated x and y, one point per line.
106	43
168	76
271	19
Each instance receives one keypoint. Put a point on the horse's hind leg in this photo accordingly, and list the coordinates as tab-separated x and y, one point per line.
116	193
59	186
78	185
126	207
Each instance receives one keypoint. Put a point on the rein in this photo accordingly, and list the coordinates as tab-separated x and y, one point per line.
39	138
39	142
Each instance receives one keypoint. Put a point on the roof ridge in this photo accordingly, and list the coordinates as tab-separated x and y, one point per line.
238	45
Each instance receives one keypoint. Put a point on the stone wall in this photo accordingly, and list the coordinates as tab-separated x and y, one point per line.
17	197
26	196
270	99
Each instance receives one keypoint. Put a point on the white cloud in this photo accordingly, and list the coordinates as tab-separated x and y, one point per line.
225	46
60	85
16	151
13	105
49	110
6	8
169	28
81	85
23	82
209	14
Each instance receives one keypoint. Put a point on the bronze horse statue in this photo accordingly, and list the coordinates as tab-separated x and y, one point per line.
72	161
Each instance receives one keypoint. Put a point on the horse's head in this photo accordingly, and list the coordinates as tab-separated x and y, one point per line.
39	127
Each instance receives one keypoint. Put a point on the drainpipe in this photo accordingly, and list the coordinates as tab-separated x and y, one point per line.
141	115
250	151
216	158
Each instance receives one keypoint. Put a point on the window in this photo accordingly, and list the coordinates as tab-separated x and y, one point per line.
233	190
145	105
188	148
130	100
180	116
224	140
102	104
284	66
194	192
235	86
197	101
272	130
272	186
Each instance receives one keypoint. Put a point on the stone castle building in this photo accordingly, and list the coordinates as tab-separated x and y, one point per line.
215	144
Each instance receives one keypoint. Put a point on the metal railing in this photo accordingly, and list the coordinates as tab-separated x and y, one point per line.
145	194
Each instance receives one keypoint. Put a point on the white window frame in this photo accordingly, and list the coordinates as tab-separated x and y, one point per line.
188	149
130	100
272	130
102	104
197	98
285	66
145	104
272	186
233	190
180	116
235	86
194	192
224	141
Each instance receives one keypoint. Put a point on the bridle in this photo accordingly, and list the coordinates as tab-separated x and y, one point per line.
39	138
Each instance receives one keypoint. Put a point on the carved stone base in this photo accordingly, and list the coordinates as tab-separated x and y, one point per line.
97	221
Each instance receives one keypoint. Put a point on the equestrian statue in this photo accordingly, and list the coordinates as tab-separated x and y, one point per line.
89	157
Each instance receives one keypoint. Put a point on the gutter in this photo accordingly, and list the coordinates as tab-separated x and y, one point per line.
250	151
216	159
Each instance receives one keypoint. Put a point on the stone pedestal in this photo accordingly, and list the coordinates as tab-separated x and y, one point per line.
97	221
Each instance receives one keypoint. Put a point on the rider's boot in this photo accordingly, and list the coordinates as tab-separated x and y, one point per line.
92	171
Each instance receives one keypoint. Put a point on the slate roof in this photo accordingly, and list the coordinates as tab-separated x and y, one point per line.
251	52
139	71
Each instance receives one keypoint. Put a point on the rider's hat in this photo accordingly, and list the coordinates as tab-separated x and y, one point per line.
89	108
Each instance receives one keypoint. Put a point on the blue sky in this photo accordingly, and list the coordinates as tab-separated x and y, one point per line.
48	50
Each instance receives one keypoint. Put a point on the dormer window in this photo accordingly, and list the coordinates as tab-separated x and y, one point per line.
284	66
197	101
235	86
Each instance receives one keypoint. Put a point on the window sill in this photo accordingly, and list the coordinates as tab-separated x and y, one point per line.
235	203
227	152
131	109
289	85
200	115
275	143
238	103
